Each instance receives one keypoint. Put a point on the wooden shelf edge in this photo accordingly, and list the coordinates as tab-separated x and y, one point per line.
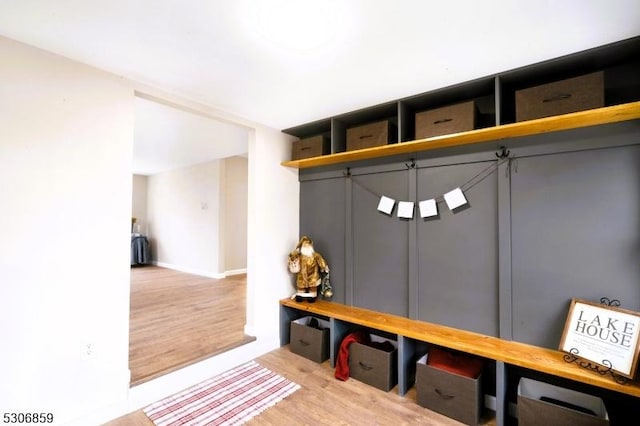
510	352
575	120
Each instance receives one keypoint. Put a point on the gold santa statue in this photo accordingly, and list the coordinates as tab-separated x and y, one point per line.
308	265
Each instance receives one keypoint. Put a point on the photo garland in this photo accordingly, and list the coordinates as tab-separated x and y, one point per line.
428	208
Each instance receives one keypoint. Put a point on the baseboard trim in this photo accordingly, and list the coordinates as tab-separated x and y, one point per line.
490	403
235	272
249	330
201	272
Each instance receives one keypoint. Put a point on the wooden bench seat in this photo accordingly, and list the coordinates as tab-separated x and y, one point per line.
513	353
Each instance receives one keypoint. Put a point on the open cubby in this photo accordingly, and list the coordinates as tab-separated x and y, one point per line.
481	91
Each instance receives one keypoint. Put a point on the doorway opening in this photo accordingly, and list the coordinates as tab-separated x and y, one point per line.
189	201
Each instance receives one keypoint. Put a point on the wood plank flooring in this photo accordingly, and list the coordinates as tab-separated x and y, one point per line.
324	400
177	319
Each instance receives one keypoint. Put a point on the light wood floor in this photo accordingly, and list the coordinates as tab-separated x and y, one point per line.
177	319
324	400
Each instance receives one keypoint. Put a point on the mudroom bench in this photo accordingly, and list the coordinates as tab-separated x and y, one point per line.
413	336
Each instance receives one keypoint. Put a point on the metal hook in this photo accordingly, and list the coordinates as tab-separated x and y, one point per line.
411	165
504	154
347	173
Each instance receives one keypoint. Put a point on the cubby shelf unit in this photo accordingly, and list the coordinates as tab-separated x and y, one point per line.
594	117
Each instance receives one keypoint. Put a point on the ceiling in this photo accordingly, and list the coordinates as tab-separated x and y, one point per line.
282	63
168	138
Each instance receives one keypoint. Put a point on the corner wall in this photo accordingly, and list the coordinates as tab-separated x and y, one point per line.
65	168
139	202
183	215
235	205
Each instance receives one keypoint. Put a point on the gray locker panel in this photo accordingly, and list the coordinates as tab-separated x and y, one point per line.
458	251
380	244
322	218
575	233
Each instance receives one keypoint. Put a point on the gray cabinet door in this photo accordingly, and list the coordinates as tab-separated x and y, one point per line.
458	251
322	218
575	234
380	244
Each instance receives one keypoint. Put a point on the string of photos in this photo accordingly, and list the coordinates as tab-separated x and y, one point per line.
429	208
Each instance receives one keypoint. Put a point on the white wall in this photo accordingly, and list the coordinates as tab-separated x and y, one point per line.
186	189
235	207
65	191
139	202
273	228
65	168
183	218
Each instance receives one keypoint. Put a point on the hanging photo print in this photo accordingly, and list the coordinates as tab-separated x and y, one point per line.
386	204
405	209
428	208
455	199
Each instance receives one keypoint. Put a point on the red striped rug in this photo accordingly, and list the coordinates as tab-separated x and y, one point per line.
231	398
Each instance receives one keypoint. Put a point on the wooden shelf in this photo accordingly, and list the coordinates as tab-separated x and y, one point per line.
514	353
576	120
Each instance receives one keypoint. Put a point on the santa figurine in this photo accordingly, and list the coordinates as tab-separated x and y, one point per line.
311	270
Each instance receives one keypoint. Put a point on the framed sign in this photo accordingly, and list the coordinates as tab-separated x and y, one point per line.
602	334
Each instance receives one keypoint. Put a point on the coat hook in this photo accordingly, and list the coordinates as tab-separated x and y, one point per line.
411	165
504	154
347	173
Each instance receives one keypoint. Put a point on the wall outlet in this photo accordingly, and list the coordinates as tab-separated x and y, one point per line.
88	350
